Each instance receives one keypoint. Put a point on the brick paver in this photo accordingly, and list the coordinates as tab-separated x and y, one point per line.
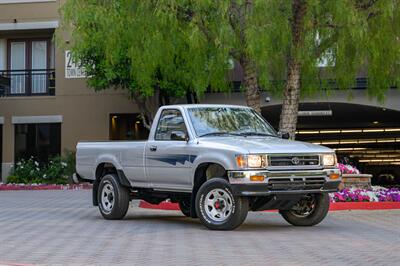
61	227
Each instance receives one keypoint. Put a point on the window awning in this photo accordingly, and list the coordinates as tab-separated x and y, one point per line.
37	119
37	25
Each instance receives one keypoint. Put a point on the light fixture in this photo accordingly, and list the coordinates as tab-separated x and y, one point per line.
343	131
356	141
351	131
374	130
378	160
349	149
386	140
376	122
114	117
315	113
329	131
138	122
309	132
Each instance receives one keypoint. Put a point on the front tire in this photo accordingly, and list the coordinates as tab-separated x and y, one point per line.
218	208
113	198
309	211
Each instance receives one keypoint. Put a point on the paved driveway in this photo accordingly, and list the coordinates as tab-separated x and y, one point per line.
61	227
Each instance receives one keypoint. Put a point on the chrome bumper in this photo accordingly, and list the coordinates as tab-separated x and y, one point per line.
284	182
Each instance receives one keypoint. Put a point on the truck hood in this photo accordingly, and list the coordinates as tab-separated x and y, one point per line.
264	144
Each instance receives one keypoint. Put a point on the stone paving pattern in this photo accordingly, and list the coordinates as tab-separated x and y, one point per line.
62	228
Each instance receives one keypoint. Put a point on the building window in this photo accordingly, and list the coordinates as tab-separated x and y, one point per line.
29	68
127	127
40	141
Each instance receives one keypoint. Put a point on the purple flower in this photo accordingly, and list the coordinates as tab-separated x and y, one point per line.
375	194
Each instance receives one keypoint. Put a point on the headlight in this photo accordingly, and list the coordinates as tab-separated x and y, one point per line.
251	161
329	159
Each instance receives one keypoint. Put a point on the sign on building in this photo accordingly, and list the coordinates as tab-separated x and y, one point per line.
73	70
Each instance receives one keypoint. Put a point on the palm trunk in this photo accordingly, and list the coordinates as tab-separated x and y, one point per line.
290	105
251	85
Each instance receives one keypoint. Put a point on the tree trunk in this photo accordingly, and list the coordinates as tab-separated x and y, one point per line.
290	105
251	84
148	106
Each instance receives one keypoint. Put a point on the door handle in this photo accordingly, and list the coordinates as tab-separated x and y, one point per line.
153	148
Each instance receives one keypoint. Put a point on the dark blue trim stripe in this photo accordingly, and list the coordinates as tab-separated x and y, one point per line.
174	159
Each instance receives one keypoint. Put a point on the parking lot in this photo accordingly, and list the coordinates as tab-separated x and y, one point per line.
61	227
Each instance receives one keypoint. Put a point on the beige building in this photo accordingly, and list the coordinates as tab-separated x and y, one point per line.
45	105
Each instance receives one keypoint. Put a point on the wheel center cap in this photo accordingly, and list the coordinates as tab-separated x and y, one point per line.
219	204
109	197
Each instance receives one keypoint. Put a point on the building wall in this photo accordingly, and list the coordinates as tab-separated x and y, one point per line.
28	12
85	113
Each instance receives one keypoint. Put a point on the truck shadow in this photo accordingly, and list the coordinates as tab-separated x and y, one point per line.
252	224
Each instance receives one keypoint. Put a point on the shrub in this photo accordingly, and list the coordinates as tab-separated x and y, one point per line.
56	171
26	171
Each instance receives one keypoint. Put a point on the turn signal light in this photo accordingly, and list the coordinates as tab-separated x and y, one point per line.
241	161
334	176
257	178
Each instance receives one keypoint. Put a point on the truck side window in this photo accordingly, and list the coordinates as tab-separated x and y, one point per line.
171	126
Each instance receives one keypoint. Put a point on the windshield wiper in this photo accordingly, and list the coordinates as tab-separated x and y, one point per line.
258	134
220	133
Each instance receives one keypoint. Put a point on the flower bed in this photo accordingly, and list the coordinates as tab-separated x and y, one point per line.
376	194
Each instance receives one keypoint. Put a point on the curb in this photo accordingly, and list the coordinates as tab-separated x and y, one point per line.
371	206
13	187
335	206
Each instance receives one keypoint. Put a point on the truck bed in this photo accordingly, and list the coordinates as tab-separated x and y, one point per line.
122	154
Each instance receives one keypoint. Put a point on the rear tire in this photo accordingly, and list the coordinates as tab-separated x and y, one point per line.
308	212
218	208
113	198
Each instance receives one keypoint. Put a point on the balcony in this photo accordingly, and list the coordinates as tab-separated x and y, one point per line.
27	82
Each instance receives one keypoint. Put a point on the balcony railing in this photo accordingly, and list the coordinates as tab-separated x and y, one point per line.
27	82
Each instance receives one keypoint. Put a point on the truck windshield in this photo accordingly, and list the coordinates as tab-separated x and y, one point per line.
219	121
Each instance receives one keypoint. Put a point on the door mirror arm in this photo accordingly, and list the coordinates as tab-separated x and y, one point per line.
179	135
284	135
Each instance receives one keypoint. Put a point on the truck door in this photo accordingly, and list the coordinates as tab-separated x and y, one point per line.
168	158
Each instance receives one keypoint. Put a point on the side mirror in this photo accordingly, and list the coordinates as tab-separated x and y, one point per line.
179	135
284	135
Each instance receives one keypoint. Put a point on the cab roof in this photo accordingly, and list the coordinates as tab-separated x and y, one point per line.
204	106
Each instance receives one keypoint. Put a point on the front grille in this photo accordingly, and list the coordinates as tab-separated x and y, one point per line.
296	183
294	160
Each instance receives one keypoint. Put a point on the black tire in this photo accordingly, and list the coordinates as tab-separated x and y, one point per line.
318	213
237	212
118	204
184	205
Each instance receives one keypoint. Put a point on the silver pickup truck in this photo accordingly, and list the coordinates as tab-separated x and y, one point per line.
218	162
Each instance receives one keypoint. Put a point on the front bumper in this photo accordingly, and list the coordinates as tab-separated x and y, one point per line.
284	182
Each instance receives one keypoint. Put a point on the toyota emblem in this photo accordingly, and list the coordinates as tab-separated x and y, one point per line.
295	160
